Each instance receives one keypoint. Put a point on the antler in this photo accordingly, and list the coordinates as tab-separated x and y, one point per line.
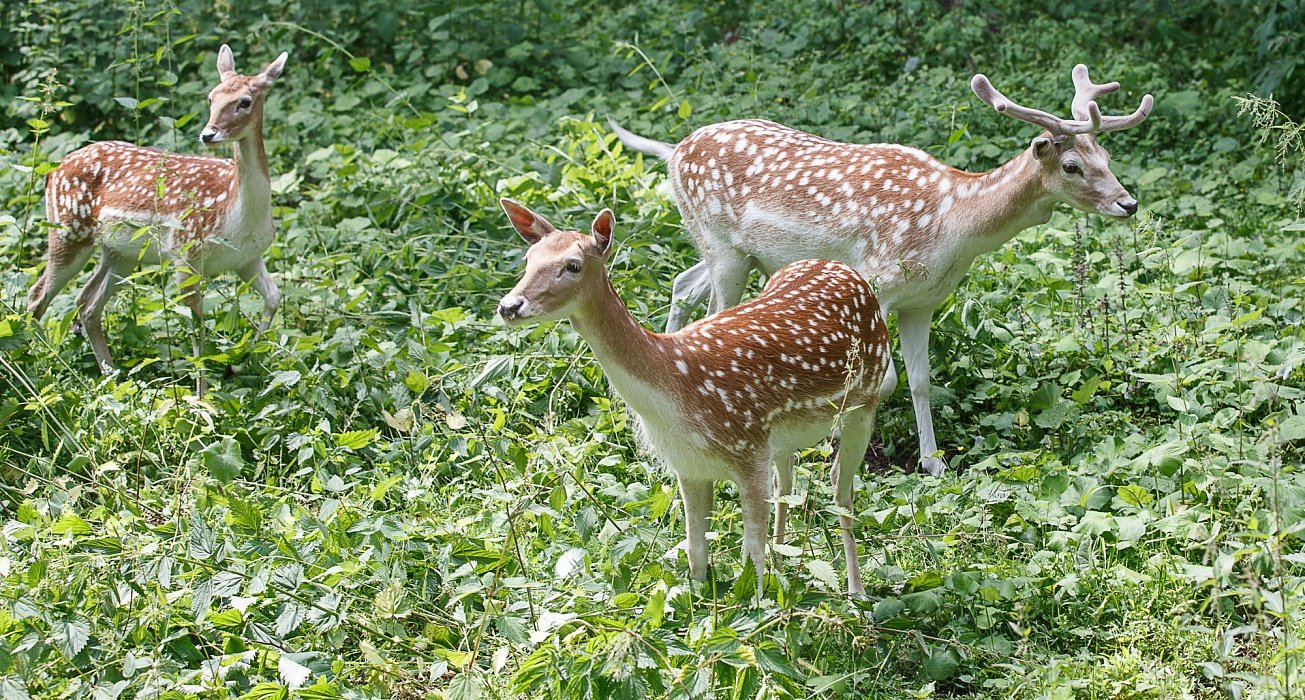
1087	115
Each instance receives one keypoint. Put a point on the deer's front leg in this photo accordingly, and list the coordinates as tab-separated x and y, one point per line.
913	330
696	495
257	276
754	497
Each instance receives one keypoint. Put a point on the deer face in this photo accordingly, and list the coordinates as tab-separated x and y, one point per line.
560	266
1076	171
236	104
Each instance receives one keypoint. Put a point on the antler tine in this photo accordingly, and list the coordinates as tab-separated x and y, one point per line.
983	88
1118	123
1085	91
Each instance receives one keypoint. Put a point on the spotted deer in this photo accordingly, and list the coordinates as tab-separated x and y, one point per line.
756	194
208	215
724	397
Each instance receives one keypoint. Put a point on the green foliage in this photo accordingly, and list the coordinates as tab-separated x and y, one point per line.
389	494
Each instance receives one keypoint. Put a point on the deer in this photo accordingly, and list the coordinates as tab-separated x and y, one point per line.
756	194
725	397
211	215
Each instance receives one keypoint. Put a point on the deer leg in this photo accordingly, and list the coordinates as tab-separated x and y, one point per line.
257	276
689	290
889	383
95	296
728	278
784	487
754	497
913	329
64	261
697	495
194	299
853	439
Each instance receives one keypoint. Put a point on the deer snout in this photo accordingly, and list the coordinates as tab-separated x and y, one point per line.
209	135
513	307
1128	205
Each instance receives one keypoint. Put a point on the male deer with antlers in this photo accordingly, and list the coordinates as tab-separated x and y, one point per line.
211	215
726	396
755	194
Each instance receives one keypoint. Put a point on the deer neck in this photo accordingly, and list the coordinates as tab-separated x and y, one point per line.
631	356
992	207
253	184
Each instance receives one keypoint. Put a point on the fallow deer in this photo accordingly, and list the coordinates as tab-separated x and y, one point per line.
724	397
209	215
755	194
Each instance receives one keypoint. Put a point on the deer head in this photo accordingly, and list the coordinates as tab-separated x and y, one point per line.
560	266
236	103
1075	168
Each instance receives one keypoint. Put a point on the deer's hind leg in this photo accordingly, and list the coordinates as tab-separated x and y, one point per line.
109	273
65	258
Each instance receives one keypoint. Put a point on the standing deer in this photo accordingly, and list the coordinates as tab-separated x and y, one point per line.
726	396
209	215
756	194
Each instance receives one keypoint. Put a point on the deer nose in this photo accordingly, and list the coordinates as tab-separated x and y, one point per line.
208	135
1129	205
509	308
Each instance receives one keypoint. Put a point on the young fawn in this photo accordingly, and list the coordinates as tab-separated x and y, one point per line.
724	397
211	215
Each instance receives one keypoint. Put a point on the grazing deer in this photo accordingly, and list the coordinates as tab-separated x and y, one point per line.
210	215
755	194
726	396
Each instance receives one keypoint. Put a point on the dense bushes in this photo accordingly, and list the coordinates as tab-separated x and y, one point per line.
391	495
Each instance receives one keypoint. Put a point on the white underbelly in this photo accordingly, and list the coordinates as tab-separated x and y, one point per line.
151	240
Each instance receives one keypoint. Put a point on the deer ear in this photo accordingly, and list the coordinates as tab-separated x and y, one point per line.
226	64
602	228
1043	147
530	225
274	68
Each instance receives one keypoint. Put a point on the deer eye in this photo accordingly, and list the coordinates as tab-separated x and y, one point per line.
245	102
1070	168
573	266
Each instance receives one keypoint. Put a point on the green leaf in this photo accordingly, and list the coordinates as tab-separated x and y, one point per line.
1134	495
922	603
71	524
321	690
203	541
464	686
223	459
71	636
267	691
888	608
362	64
924	581
823	572
355	439
293	673
379	490
288	377
685	110
416	381
1292	428
229	619
12	688
942	664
